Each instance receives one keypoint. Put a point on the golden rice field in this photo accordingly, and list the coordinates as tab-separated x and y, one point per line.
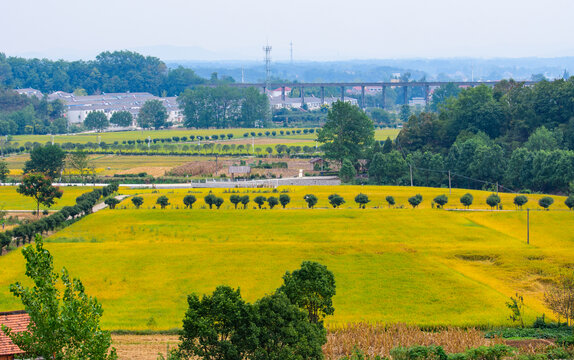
11	200
417	266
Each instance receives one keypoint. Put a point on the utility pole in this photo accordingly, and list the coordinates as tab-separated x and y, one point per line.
411	168
449	187
527	226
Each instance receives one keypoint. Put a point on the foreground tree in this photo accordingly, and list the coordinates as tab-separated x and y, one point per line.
284	199
152	115
467	200
560	298
137	201
336	200
218	202
311	200
47	159
39	187
63	325
189	200
311	288
362	200
162	201
347	171
245	201
347	133
96	120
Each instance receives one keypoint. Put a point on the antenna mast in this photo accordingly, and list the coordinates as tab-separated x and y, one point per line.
267	50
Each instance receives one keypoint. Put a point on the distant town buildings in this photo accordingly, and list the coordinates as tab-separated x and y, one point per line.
279	99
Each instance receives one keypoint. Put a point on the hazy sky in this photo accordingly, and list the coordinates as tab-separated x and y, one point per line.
319	30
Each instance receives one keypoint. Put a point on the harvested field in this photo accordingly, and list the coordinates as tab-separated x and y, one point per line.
143	347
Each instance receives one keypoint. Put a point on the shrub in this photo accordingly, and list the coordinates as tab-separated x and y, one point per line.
390	200
111	202
493	200
336	200
189	200
520	200
362	200
284	199
311	200
210	200
272	201
569	202
419	353
260	200
162	201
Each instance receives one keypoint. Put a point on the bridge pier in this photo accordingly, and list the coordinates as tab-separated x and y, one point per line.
322	95
302	95
406	94
363	97
384	91
283	93
427	94
342	93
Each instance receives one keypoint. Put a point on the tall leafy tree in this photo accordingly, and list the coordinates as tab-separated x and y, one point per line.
3	170
47	159
64	320
80	162
152	115
311	287
122	118
347	133
39	187
96	120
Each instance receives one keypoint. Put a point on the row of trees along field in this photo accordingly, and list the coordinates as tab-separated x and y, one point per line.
521	137
336	201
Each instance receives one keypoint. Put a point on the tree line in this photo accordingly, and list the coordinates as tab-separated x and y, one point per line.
117	71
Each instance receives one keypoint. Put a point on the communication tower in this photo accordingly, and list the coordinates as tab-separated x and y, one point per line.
267	50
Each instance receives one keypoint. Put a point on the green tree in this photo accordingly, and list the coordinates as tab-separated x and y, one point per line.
415	200
347	172
336	200
47	159
285	333
390	200
545	202
39	187
260	200
64	320
272	201
347	133
516	307
493	200
388	168
245	201
284	199
520	200
152	115
362	200
255	108
442	94
441	200
235	199
111	202
137	201
218	202
405	113
162	201
210	200
570	202
122	118
189	200
3	170
387	146
217	326
311	200
311	288
80	162
96	120
467	200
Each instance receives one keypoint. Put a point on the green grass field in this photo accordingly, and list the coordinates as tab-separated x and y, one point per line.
110	137
423	266
11	200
